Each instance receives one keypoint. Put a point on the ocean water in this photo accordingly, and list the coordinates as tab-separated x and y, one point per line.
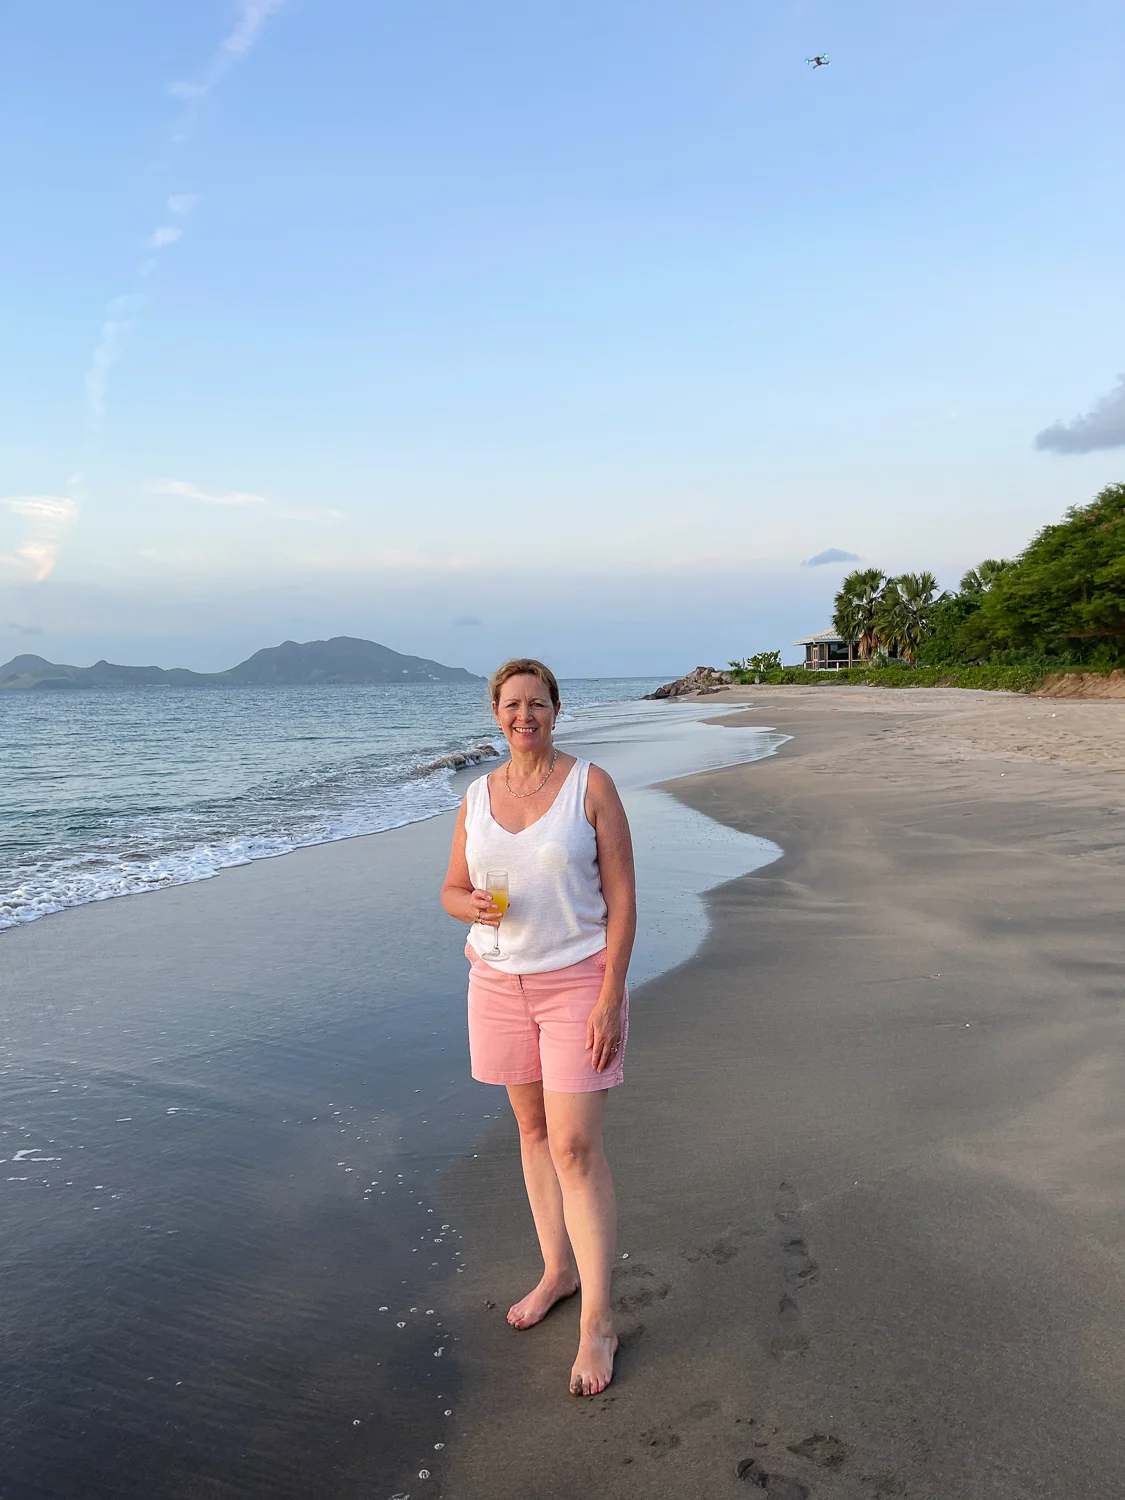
113	792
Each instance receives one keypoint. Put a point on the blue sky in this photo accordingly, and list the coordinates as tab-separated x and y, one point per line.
572	329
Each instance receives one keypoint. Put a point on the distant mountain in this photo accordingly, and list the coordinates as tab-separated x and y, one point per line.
36	672
342	659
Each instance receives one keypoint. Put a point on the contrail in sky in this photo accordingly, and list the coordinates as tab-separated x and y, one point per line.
238	42
121	313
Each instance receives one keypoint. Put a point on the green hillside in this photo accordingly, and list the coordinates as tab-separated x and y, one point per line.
343	659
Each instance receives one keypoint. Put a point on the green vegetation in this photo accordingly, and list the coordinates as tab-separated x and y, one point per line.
1059	606
1060	603
1013	679
760	662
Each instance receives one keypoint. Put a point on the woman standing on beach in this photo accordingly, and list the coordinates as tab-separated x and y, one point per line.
549	1017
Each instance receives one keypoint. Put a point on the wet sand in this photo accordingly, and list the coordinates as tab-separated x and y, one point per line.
227	1111
870	1148
218	1169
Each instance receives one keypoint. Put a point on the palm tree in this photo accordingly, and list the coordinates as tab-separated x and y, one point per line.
890	619
980	579
856	606
903	617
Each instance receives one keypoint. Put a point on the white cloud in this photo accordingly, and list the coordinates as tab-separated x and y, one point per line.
1103	427
187	491
49	518
166	234
184	203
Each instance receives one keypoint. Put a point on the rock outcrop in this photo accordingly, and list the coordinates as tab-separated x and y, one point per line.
702	680
458	760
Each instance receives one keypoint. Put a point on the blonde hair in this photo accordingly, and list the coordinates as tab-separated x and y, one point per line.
517	667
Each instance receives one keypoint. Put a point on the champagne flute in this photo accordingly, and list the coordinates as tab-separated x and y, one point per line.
496	884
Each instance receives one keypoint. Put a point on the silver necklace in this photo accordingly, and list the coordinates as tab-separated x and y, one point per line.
539	788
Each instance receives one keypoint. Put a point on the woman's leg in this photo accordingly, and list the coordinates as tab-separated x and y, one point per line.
574	1132
560	1278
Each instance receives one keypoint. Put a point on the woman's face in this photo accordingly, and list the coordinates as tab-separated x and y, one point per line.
525	713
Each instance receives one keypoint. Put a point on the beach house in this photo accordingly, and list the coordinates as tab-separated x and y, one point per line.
827	651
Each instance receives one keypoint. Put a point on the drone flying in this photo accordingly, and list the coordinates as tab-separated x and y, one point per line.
821	60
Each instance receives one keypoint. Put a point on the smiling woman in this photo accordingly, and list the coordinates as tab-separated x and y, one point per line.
542	845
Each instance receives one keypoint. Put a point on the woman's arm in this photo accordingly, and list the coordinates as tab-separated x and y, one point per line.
619	887
457	894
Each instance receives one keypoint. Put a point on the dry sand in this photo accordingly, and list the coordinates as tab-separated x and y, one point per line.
954	724
870	1150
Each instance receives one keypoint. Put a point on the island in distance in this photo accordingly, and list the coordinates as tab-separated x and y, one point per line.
342	659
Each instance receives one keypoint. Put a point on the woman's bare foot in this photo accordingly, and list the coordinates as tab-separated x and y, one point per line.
593	1369
537	1304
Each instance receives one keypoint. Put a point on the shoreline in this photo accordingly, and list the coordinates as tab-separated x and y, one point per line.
228	1121
945	1130
166	857
875	1224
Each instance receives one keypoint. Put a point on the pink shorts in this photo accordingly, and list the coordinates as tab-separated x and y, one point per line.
531	1028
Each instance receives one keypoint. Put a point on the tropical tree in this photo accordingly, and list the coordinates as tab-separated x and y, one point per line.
980	579
856	607
948	643
1067	588
761	661
903	615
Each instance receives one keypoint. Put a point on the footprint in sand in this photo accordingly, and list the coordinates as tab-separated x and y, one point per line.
887	1486
702	1409
633	1298
641	1297
791	1340
786	1204
777	1486
800	1268
660	1440
822	1449
719	1253
631	1272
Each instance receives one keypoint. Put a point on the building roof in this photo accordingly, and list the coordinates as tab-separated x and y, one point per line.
821	635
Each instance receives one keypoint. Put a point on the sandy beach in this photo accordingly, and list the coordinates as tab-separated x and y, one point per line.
869	1151
263	1230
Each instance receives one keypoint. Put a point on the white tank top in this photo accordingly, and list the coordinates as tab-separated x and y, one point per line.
557	913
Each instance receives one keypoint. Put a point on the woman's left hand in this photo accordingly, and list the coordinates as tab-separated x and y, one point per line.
603	1034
